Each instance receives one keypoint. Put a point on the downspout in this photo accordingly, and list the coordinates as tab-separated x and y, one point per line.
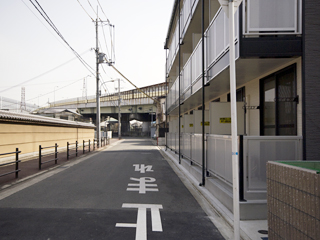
166	123
179	83
303	91
203	105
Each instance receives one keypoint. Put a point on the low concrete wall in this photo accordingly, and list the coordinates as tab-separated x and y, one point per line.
293	202
161	141
28	137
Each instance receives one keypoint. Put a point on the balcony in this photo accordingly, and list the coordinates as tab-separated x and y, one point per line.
254	151
261	46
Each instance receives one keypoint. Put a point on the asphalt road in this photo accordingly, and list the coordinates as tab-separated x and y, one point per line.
128	191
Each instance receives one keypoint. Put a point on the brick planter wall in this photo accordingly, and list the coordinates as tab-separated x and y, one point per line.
293	202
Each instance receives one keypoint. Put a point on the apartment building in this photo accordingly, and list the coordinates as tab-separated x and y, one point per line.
277	72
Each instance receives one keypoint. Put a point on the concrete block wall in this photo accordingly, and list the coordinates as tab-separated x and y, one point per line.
293	202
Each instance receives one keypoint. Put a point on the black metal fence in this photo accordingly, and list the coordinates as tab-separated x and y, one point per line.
55	153
86	147
74	146
16	162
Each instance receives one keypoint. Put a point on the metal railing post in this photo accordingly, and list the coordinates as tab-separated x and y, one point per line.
56	153
89	145
76	148
83	146
67	150
39	157
94	144
17	162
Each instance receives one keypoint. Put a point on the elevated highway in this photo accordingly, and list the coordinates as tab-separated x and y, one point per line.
134	105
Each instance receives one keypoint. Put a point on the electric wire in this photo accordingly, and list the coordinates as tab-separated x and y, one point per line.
42	74
44	24
85	11
105	40
48	92
130	81
48	20
103	12
96	13
110	30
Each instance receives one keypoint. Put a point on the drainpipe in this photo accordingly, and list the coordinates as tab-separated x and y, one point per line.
179	83
165	127
234	130
203	105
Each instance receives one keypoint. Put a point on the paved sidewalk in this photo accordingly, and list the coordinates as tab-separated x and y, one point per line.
30	167
249	228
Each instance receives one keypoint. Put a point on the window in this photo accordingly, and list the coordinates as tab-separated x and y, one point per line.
278	98
240	95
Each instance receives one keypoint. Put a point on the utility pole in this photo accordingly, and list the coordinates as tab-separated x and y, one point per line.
98	91
119	111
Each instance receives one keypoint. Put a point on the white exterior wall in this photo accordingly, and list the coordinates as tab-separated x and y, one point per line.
189	124
252	91
197	116
253	116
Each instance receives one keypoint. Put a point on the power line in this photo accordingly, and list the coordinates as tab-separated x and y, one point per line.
105	40
42	74
49	92
103	12
43	24
48	20
130	81
93	9
85	11
110	31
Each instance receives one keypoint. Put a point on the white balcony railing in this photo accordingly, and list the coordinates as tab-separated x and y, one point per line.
186	14
217	36
272	17
260	17
257	150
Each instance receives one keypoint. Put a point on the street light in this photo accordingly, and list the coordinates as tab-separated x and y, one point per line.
119	106
230	7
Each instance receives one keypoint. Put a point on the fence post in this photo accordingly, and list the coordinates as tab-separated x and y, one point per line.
83	147
39	157
89	145
67	150
17	162
94	144
76	148
56	153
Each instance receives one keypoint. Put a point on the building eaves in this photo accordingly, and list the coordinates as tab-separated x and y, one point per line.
6	116
175	6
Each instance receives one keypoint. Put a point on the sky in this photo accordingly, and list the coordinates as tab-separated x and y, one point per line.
33	56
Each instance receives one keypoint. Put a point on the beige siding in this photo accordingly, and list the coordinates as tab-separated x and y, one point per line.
28	137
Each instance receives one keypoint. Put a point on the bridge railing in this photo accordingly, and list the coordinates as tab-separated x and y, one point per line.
158	90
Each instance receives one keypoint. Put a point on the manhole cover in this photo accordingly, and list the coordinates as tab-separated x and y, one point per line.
263	231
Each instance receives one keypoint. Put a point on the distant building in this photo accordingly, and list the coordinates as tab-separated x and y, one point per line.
61	113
